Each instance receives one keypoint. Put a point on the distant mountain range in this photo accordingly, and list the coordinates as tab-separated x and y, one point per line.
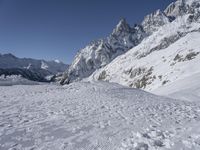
164	48
32	69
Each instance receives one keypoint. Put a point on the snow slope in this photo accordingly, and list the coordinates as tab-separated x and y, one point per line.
95	116
170	53
156	69
185	89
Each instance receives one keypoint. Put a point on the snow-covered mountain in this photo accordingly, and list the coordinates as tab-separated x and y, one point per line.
99	53
30	68
165	48
147	54
170	51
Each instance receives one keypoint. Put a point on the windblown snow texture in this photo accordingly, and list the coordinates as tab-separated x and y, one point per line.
97	115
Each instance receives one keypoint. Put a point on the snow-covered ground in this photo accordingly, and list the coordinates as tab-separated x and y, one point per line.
95	116
185	89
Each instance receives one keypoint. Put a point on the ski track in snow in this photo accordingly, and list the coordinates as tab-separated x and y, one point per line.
94	116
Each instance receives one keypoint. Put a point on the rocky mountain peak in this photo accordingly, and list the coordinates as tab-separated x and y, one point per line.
176	8
170	48
182	7
124	37
122	26
154	20
101	52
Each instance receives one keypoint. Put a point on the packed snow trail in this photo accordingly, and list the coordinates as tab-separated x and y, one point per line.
94	116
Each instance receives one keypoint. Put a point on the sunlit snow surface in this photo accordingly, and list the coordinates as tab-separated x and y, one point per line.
185	89
94	116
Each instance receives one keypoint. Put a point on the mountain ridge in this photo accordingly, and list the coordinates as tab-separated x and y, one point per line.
27	67
159	31
101	52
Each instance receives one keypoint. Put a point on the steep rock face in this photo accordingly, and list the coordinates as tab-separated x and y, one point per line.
124	37
101	52
154	21
170	52
177	8
182	7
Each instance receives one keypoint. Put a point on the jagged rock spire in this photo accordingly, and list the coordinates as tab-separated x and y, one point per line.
181	7
122	26
176	8
154	20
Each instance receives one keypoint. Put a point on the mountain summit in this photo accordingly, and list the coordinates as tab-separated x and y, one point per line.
101	52
145	56
122	27
170	51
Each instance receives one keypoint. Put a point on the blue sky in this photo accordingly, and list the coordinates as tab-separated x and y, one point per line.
57	29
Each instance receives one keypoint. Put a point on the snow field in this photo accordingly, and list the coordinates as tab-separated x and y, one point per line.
97	115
